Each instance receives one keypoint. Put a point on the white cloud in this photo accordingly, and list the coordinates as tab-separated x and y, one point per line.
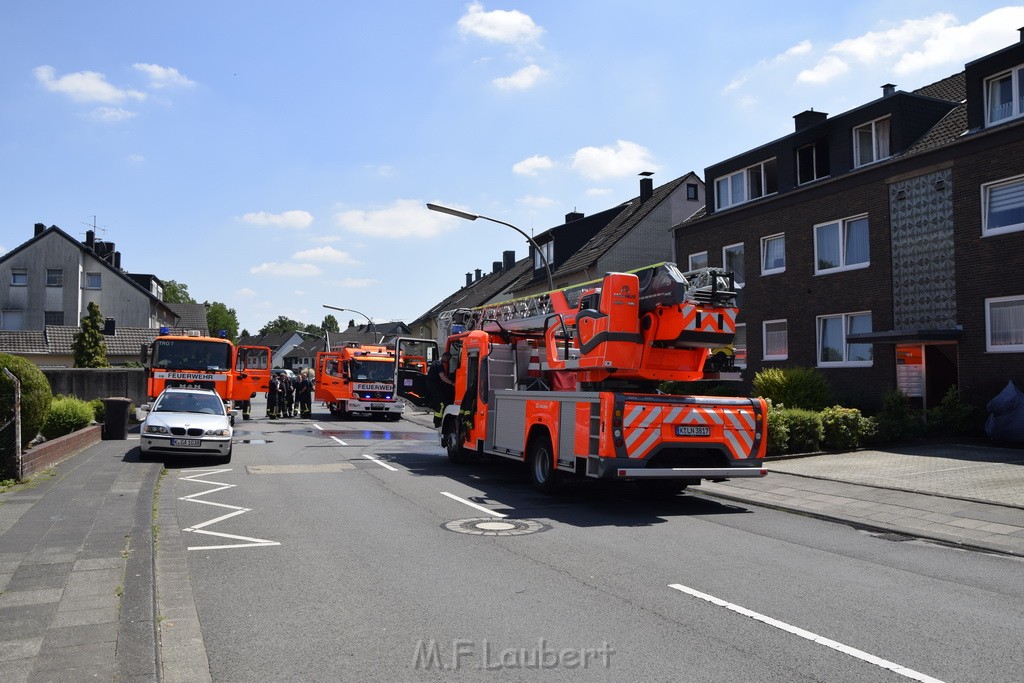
111	114
824	71
357	283
523	79
404	218
501	26
164	76
85	86
245	293
801	48
536	202
286	219
623	159
286	269
956	45
734	84
324	254
324	239
533	164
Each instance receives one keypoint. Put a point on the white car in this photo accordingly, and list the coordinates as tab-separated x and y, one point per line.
188	422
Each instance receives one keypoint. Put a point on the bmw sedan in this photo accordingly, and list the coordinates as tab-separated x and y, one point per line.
187	422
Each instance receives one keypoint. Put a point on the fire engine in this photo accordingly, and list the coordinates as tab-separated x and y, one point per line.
358	378
237	373
567	382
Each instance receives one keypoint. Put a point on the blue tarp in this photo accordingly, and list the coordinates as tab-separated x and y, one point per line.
1006	415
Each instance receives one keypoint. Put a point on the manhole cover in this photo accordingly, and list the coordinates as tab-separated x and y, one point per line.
495	526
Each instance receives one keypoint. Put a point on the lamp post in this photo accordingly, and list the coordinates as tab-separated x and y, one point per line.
352	310
473	216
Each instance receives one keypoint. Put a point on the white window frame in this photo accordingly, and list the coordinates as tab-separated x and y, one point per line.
844	226
1016	103
738	281
697	255
813	146
1016	346
548	249
845	361
880	149
19	277
986	200
736	192
764	336
87	280
765	270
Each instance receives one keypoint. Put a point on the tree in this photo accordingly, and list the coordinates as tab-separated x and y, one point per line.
177	293
330	324
245	332
220	317
35	403
281	324
89	347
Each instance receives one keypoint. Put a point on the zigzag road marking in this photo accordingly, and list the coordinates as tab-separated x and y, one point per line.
201	528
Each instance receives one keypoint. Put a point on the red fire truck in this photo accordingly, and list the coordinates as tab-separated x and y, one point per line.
237	373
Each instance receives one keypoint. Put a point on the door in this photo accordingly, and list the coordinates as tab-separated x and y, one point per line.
252	372
412	360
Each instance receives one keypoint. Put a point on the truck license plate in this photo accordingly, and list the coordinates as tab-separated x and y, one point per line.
376	406
693	430
187	443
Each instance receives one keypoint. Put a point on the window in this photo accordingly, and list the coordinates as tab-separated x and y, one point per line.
1002	206
841	245
739	346
833	350
54	277
691	192
699	260
1004	324
53	317
751	183
732	260
93	280
776	339
773	254
871	142
19	277
11	320
1004	95
811	163
548	251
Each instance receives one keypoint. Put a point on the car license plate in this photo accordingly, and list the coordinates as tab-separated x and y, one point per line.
693	430
187	443
376	406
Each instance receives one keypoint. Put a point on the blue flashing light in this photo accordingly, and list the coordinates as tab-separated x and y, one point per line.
165	330
223	334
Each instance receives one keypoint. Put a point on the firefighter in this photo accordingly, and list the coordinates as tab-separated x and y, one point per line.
304	394
441	386
288	393
274	397
246	407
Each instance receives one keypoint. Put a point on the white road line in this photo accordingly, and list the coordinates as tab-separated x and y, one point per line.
814	637
318	427
379	462
199	528
471	504
339	441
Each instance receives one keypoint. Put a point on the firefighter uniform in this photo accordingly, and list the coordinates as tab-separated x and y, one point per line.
274	398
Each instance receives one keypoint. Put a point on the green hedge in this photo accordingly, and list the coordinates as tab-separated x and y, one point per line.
805	388
805	430
35	397
67	414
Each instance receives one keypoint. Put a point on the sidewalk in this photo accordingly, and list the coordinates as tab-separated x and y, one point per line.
76	571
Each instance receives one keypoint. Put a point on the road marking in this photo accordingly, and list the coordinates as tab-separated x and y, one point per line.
379	462
201	528
814	637
318	427
471	504
339	441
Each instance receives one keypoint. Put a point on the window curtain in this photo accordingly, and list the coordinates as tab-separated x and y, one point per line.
857	241
776	339
1006	323
1006	205
828	246
774	253
830	343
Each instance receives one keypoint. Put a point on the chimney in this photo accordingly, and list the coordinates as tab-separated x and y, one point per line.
90	239
1021	29
478	274
40	228
495	267
469	279
888	89
117	260
646	186
573	216
508	259
806	119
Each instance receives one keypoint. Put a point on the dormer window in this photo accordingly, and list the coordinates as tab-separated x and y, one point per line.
548	251
871	142
751	183
1004	96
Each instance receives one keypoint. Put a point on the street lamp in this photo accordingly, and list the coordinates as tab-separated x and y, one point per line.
473	216
352	310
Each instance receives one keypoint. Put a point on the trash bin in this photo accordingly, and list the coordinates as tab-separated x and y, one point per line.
115	418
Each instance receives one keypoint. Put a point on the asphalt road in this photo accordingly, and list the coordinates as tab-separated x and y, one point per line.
343	566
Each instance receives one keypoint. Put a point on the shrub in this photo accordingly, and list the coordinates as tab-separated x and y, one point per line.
841	428
35	396
778	430
804	388
805	430
897	420
67	414
954	416
98	409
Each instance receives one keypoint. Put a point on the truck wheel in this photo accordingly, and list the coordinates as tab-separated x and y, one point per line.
543	475
449	436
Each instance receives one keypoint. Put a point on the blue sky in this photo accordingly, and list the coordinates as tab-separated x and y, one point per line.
278	156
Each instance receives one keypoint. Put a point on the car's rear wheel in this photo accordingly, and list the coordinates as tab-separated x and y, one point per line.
543	475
